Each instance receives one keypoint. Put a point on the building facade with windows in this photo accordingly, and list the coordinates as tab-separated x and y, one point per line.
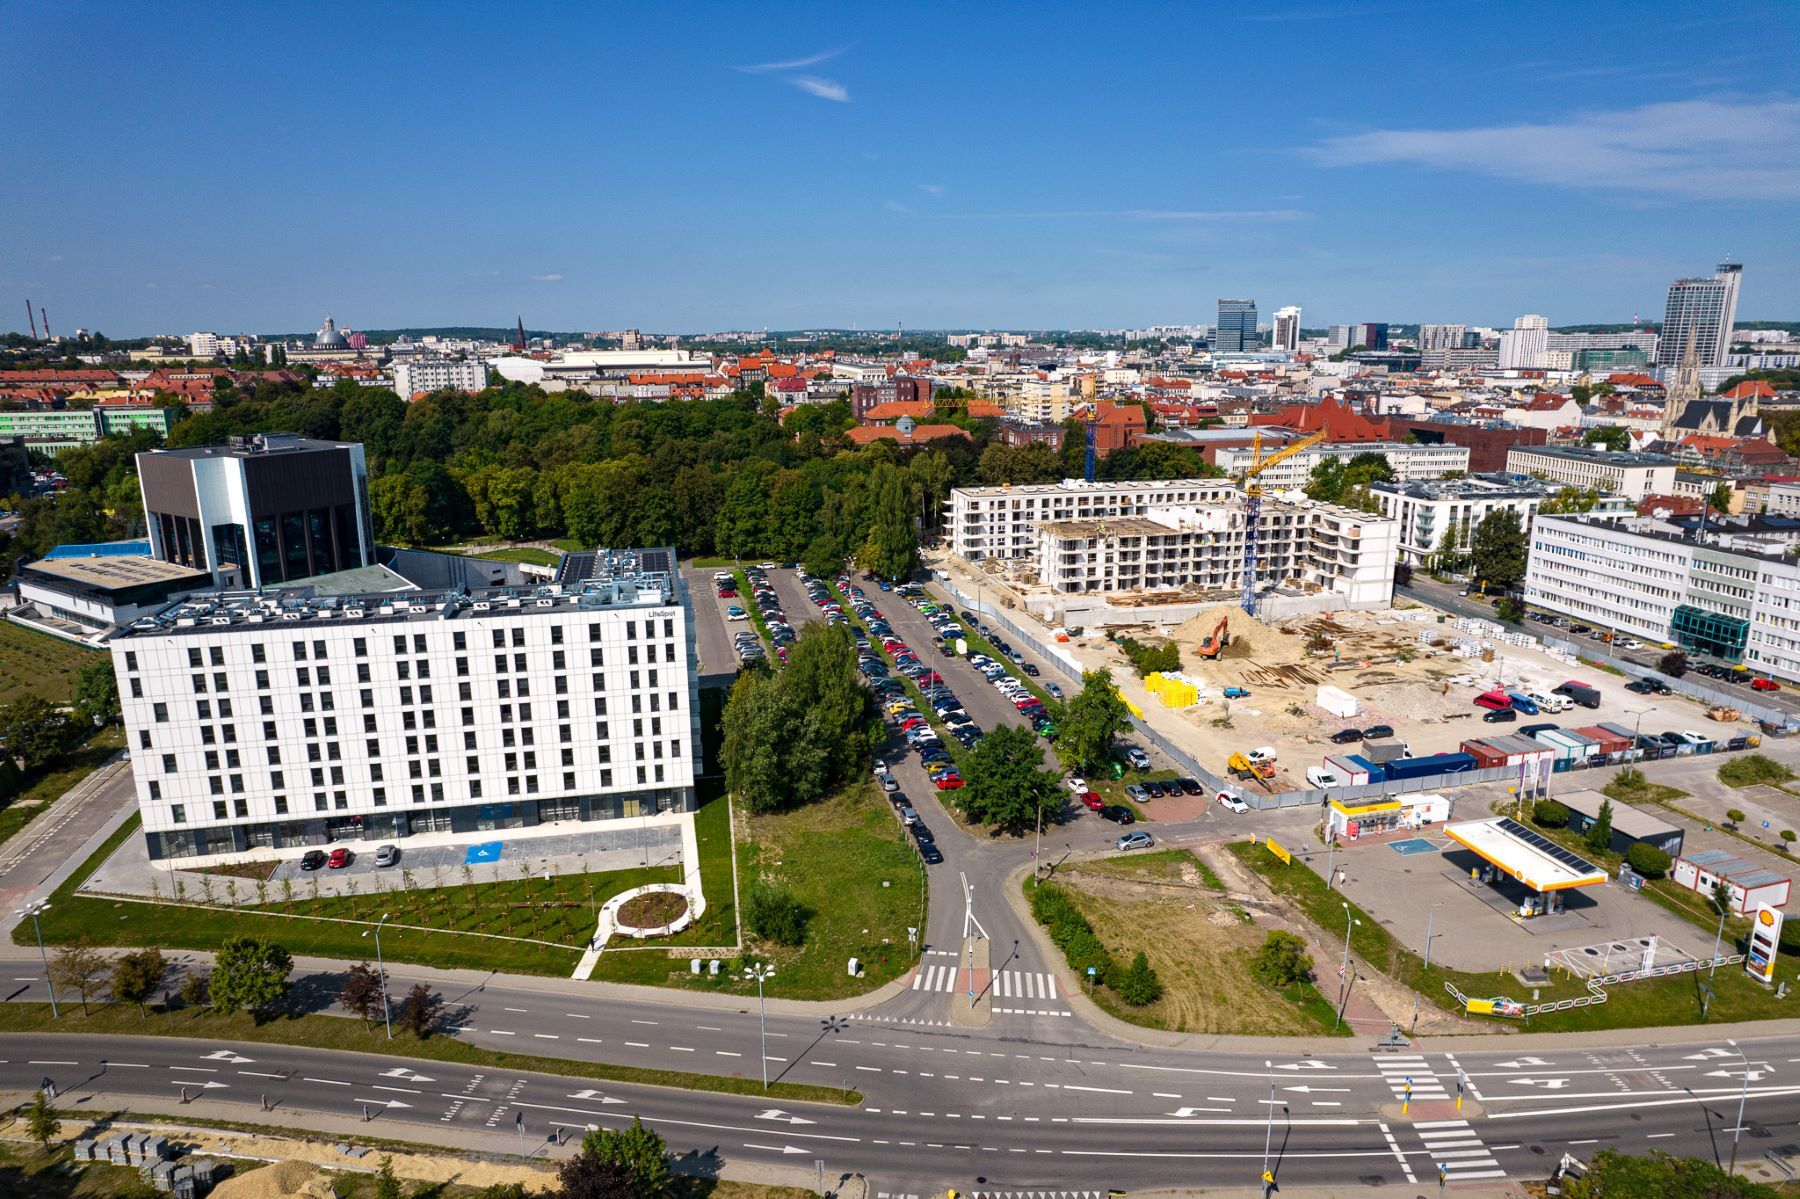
1700	310
1441	517
438	374
1001	522
1409	462
1236	330
1633	476
284	722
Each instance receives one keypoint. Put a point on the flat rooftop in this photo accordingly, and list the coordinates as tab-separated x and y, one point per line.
1633	822
1532	858
262	445
1604	457
1082	486
1726	865
1499	485
117	572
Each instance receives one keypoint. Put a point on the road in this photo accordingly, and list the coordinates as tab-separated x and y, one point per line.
29	860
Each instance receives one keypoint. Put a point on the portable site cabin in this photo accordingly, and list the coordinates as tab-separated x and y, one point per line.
1751	885
1487	752
1609	743
1347	820
1569	747
1353	769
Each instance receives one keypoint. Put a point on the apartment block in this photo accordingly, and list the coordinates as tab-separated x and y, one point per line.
1633	476
1409	462
1441	516
288	720
1001	522
439	374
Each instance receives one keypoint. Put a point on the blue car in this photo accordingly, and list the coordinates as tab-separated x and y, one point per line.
1523	703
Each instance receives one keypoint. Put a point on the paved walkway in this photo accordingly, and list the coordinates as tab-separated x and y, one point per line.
690	887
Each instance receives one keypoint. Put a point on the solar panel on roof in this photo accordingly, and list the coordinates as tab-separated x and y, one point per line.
1547	847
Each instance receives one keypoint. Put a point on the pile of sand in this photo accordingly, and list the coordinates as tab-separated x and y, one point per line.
1248	638
283	1180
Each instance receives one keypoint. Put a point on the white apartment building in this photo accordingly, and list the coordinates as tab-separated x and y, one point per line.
1441	517
1653	579
1285	333
270	721
203	345
1001	522
438	374
1441	337
1304	547
1522	347
1409	462
1633	476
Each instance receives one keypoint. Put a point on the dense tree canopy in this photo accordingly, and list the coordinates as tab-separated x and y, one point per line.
790	738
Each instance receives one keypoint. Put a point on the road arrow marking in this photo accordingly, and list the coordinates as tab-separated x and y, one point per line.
384	1102
776	1113
1755	1074
408	1075
226	1055
1306	1065
784	1150
208	1085
1706	1053
1306	1090
1524	1061
1549	1084
591	1094
1182	1113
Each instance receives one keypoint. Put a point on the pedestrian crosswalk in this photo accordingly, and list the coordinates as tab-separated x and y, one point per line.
1021	984
1401	1068
1454	1145
936	978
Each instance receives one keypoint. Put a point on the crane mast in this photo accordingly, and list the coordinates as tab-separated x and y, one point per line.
1253	505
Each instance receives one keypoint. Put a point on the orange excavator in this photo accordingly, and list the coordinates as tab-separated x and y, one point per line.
1217	640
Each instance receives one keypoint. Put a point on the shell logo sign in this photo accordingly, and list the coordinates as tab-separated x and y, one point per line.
1765	942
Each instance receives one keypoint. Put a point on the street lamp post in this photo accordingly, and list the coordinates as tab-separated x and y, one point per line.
387	1017
1429	916
1638	727
761	971
1743	1098
34	910
1350	922
1718	939
1269	1129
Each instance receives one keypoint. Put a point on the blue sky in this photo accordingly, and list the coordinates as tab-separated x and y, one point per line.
696	167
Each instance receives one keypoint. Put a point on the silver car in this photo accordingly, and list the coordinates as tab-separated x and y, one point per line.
1135	840
387	855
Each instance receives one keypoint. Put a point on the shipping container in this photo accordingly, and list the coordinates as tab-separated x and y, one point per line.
1569	747
1379	752
1487	755
1353	769
1418	768
1609	742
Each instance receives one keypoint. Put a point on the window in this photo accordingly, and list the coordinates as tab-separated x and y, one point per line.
277	778
600	730
199	684
418	643
318	649
399	643
600	705
360	647
375	775
407	720
462	667
212	759
262	680
303	676
258	653
594	659
475	789
367	696
265	705
299	651
143	738
556	635
631	655
373	747
459	640
499	663
137	688
563	733
499	638
519	663
518	637
215	784
281	808
606	778
558	659
130	659
194	655
219	681
207	736
156	792
593	632
268	730
631	630
562	684
674	749
203	709
306	701
404	669
424	668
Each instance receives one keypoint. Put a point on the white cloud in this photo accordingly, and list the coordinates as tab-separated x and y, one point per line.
895	206
824	89
1695	149
547	278
1166	215
764	68
934	190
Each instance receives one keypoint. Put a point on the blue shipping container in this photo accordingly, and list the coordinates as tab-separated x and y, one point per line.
1377	772
1413	768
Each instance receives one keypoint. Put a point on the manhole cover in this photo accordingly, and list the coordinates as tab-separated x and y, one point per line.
1537	1149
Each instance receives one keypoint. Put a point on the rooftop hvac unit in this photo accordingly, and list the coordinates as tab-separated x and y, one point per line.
482	605
220	620
353	613
290	616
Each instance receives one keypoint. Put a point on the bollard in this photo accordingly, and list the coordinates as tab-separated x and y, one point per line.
184	1094
265	1101
365	1108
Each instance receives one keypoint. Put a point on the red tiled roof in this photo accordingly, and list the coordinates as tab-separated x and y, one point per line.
1751	389
866	434
1632	380
1333	418
895	409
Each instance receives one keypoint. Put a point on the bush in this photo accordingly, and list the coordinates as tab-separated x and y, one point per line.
1070	932
774	914
1647	860
1138	985
1282	961
1734	816
1146	659
1752	769
1628	779
1674	664
1547	813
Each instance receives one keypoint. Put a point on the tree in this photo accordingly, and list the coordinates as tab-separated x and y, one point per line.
1403	573
1510	609
80	968
639	1150
196	989
1598	836
1005	783
1138	984
1614	1175
361	992
1499	549
1720	499
97	692
893	543
1735	816
1613	437
1282	961
250	974
792	737
1547	813
1721	900
932	474
588	1176
1647	860
1088	721
40	1121
775	914
35	732
1674	664
387	1183
139	975
420	1010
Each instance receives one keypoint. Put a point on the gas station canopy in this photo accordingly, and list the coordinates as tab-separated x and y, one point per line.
1530	857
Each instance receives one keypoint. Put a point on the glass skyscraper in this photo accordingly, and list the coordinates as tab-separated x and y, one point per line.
1703	309
1237	327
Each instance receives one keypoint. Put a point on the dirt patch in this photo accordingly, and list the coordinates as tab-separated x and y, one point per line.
655	910
254	871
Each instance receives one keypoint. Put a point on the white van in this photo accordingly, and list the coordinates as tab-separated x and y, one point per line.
1551	702
1322	777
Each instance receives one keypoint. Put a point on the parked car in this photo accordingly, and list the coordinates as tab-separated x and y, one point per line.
387	855
1136	758
312	859
887	781
1377	732
1765	684
1138	839
1117	814
1503	716
1054	690
1189	786
930	854
1092	802
1031	670
1346	737
1231	802
1136	793
340	858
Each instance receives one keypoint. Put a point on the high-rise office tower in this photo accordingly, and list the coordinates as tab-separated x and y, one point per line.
1706	308
1522	347
1286	334
1237	327
1441	337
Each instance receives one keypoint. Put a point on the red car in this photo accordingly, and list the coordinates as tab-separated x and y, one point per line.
1093	802
949	782
1764	685
339	858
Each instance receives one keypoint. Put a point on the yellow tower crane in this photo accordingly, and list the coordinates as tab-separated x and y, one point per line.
1260	462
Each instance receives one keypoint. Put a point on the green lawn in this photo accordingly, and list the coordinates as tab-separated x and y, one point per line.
354	1036
1664	1001
493	926
567	544
527	554
34	663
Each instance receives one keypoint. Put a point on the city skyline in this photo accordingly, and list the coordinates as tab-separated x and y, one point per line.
760	169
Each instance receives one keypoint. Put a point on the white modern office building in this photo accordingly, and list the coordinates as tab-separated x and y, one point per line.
1408	462
1701	310
1738	601
287	720
438	374
1001	522
1523	346
1285	334
1441	516
1633	476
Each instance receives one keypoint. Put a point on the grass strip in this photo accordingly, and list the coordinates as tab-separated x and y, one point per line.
353	1036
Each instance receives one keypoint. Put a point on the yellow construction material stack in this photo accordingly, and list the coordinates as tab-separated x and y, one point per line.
1173	690
1129	706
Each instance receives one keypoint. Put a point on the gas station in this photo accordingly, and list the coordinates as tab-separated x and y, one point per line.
1545	869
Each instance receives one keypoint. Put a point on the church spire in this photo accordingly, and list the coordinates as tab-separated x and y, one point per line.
1684	390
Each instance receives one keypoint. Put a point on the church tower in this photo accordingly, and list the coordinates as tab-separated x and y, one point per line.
1684	391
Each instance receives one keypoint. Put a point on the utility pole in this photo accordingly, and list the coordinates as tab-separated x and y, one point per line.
1743	1098
761	971
1350	923
1268	1179
1429	916
34	910
387	1016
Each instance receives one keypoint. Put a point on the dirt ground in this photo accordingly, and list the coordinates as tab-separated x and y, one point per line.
1199	942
